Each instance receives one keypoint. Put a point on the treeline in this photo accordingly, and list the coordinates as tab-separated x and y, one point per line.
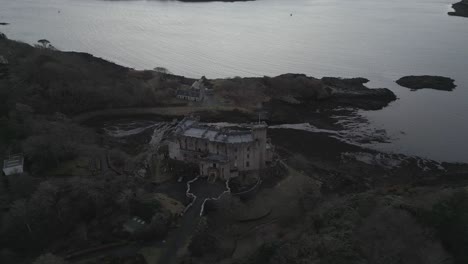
39	82
68	82
78	212
46	141
41	89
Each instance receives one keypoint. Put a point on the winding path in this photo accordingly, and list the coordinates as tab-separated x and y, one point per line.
187	227
202	191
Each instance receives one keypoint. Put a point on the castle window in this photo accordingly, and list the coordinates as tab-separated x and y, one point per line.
248	149
247	164
214	165
248	156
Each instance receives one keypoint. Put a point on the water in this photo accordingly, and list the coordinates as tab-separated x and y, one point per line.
378	39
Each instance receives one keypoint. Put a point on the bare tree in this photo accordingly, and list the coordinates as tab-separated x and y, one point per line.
45	44
162	70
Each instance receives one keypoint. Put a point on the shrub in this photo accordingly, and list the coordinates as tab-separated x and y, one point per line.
450	219
203	243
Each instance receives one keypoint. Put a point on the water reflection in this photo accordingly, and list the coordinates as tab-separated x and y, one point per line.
377	39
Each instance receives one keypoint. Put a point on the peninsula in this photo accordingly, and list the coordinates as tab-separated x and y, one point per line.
107	164
461	9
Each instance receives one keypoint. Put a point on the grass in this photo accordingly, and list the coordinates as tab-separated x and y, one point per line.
450	219
174	206
76	167
151	254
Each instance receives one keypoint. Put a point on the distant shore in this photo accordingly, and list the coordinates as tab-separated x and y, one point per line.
215	0
461	9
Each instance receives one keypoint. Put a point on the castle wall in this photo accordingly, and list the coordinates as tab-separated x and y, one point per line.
233	157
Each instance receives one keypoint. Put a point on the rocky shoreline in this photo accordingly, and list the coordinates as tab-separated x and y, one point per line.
427	82
461	9
282	99
326	193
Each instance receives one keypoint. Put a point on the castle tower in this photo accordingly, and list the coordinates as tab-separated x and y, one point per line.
259	132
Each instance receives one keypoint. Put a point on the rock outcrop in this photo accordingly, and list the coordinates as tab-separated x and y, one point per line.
461	9
427	82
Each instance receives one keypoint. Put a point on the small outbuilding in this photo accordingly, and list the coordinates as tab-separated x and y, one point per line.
13	165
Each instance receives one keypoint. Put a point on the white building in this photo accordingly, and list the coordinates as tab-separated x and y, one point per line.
195	93
13	165
3	60
221	153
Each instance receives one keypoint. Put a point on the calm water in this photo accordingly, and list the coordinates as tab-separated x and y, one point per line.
378	39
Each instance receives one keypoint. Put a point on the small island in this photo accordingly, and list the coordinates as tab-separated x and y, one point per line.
427	82
461	9
4	24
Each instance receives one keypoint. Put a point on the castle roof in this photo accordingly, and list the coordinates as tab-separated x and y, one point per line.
191	128
216	135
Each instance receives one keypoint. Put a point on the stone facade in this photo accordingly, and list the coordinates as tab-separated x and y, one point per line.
221	153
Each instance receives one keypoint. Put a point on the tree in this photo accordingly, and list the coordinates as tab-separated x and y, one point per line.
450	219
54	142
162	70
44	42
203	243
20	212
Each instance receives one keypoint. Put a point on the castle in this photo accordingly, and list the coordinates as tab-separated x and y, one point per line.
219	152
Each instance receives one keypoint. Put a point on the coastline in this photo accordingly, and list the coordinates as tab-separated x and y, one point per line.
461	9
75	97
304	96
